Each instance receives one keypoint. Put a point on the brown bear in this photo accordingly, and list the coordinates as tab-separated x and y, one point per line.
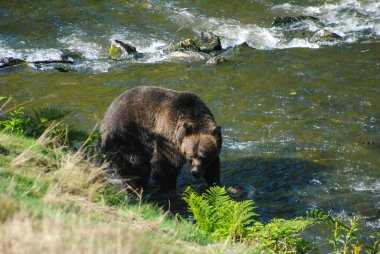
154	131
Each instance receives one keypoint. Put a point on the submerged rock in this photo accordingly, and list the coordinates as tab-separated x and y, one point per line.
286	21
241	48
217	60
230	53
187	56
323	35
10	61
70	55
118	49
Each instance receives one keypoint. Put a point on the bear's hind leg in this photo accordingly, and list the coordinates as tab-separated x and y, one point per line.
130	160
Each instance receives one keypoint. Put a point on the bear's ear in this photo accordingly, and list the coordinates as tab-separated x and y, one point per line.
217	133
183	130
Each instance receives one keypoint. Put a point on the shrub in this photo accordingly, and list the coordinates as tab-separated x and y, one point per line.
226	219
217	214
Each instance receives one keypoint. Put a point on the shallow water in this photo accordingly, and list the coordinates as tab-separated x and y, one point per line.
301	120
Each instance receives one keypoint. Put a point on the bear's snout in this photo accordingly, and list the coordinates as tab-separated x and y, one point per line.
195	172
197	169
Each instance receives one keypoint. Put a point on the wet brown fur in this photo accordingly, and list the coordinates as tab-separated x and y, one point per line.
151	130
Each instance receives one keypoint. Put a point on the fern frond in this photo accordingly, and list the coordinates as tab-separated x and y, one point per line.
216	213
318	215
216	196
50	113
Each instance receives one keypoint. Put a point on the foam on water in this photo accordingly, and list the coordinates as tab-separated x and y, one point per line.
154	49
89	50
6	51
232	32
374	186
42	54
29	54
356	20
353	20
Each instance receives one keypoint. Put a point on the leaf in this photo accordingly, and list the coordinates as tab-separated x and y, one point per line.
43	119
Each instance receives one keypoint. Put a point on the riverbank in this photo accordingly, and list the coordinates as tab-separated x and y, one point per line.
56	200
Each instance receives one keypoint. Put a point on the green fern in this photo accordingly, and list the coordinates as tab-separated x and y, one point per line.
42	118
226	219
318	215
280	235
216	213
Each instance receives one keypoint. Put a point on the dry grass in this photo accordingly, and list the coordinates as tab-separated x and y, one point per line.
68	216
23	234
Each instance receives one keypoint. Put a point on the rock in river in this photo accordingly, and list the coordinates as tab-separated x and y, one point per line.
10	61
208	42
119	49
324	35
187	56
287	21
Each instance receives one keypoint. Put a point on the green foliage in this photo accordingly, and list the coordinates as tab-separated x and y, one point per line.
38	120
375	248
21	186
280	235
16	122
111	196
42	118
216	213
223	218
344	237
318	215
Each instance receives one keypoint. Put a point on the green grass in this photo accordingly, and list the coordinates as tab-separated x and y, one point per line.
55	200
50	188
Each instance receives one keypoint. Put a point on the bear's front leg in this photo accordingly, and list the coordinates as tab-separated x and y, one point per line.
164	173
212	174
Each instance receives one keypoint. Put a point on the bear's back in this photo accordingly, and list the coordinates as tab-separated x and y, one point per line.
156	109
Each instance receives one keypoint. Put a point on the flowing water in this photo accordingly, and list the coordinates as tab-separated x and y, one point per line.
300	118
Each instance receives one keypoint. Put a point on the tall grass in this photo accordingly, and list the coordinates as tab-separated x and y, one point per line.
53	200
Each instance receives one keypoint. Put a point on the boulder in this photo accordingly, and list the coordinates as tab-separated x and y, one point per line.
188	56
241	48
119	49
230	53
323	35
186	45
10	61
71	55
288	21
208	42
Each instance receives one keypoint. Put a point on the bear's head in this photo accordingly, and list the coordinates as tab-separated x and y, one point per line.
200	149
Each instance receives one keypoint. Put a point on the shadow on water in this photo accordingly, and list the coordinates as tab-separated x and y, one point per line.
280	187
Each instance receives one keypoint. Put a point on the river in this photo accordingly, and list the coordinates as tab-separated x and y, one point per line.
300	118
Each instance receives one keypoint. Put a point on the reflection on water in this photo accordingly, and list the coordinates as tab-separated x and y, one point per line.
301	119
